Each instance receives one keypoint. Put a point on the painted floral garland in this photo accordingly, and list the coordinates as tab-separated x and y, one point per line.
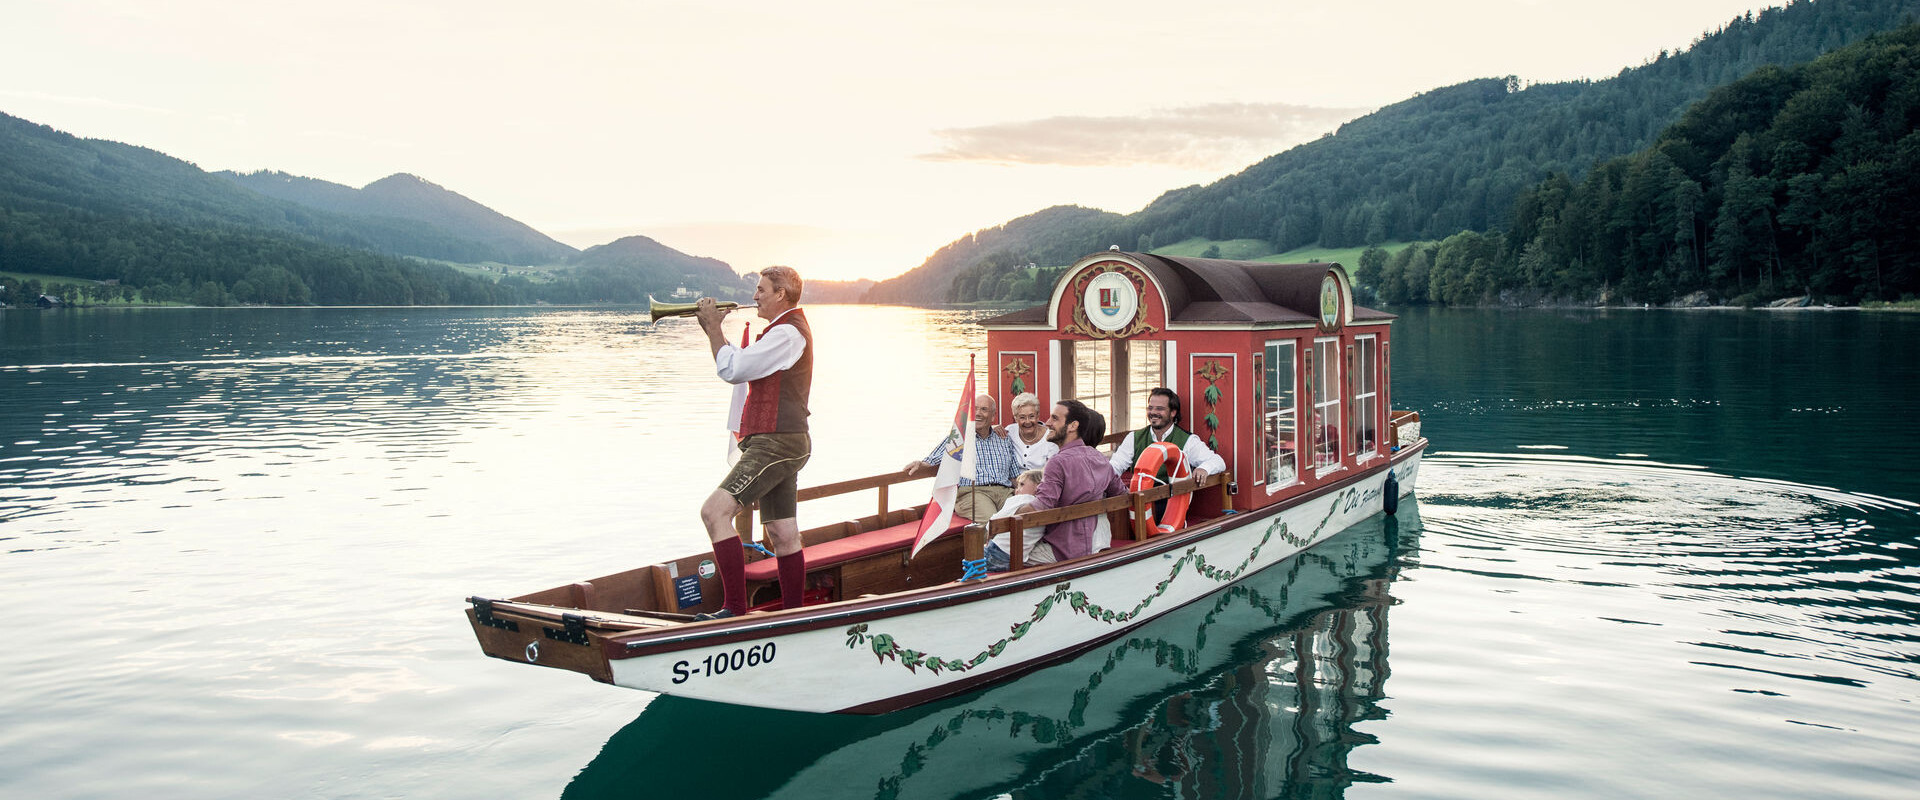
886	648
1044	729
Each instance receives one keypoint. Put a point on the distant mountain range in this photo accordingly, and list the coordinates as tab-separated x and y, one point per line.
408	197
1449	160
163	229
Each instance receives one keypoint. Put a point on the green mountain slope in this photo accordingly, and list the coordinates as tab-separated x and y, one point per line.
1801	181
1053	236
46	170
164	230
1455	158
627	270
407	197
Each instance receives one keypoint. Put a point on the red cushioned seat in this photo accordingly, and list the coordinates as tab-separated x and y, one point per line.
859	545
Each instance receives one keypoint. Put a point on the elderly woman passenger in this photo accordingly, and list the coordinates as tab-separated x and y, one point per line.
1029	432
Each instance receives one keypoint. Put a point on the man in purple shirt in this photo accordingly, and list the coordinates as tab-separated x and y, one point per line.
1077	474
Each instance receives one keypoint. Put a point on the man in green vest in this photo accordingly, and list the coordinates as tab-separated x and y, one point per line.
1163	410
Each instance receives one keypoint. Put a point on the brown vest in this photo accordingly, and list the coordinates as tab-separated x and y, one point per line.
778	403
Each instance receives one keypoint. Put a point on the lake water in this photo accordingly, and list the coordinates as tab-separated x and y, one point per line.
1653	554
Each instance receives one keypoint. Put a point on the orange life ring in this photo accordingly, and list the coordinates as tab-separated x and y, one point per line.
1145	467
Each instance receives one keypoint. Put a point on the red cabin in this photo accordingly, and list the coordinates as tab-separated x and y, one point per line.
1275	366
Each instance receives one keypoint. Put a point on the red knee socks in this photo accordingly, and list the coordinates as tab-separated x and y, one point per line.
731	558
793	579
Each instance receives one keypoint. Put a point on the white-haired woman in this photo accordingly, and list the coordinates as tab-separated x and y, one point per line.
1029	432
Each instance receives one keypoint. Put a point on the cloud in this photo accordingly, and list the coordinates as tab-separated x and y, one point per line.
1212	136
85	102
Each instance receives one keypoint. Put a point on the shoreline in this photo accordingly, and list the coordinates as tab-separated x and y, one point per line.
1897	306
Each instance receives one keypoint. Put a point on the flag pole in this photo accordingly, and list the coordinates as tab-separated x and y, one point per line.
956	463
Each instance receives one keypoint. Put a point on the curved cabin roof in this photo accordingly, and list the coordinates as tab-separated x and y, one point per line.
1210	292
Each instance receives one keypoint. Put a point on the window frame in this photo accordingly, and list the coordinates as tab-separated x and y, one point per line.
1271	365
1327	352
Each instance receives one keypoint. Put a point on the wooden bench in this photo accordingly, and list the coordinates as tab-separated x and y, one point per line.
870	554
851	548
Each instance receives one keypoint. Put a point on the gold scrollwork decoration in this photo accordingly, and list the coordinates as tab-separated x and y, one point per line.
1082	326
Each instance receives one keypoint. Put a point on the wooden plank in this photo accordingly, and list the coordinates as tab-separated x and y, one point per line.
1141	530
1052	515
662	597
583	595
857	484
973	541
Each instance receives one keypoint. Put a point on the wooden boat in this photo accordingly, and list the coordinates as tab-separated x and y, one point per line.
1261	685
1282	374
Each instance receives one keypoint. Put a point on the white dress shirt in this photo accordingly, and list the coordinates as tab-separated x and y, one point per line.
1199	455
778	348
1032	456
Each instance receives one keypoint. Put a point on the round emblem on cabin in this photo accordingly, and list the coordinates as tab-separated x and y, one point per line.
708	570
1329	303
1111	301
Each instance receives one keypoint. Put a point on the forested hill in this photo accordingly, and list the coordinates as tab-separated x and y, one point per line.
627	270
1802	181
1456	158
146	227
1053	236
408	197
46	170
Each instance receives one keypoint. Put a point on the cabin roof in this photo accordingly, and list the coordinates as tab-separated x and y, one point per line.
1211	291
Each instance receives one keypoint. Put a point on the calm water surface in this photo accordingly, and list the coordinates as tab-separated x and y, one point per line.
1654	554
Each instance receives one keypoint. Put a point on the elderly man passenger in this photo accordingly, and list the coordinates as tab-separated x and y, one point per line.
995	464
1029	432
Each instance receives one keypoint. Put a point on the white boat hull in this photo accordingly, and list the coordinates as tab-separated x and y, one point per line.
868	657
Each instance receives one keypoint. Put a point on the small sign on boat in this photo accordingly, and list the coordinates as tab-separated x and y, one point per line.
687	589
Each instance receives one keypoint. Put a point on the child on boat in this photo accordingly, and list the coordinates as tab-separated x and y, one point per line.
1000	549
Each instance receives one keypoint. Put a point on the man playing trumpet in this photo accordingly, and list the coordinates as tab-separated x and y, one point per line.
778	371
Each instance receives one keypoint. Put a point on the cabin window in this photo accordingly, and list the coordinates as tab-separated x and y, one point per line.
1114	377
1324	374
1279	409
1092	376
1145	370
1366	396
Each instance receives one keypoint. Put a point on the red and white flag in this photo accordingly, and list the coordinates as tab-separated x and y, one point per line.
957	463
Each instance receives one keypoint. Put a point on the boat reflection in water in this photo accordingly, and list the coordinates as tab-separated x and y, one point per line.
1249	692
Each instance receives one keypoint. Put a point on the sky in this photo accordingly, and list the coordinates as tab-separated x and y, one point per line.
846	139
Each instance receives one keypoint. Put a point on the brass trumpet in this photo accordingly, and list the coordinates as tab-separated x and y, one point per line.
659	310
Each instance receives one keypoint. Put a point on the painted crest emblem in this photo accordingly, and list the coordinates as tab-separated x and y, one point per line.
1329	303
1111	301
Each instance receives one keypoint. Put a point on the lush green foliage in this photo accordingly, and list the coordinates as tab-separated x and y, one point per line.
1453	159
630	269
1234	249
1796	181
1001	263
143	226
220	265
485	234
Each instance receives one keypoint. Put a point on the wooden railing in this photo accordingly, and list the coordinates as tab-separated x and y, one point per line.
1138	506
743	521
1398	421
